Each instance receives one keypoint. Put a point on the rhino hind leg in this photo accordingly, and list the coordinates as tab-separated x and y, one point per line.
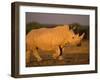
28	56
57	54
36	55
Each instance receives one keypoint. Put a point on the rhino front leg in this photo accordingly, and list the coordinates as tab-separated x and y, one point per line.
60	56
58	53
36	54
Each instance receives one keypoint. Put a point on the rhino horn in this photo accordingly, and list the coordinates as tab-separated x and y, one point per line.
81	37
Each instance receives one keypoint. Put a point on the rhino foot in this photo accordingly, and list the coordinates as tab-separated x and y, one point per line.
39	59
60	58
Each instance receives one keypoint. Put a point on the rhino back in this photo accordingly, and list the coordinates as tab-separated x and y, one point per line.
47	38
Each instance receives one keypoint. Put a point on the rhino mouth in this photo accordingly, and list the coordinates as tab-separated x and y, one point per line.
79	44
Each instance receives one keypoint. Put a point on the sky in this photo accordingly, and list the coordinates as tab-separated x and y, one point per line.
50	18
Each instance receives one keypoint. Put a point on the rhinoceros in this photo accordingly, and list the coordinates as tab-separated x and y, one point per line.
50	39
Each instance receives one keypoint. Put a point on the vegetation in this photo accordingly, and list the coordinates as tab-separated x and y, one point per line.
33	25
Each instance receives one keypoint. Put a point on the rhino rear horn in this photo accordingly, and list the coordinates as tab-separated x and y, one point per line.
81	37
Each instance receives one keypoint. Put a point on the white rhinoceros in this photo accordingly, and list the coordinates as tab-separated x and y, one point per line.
50	39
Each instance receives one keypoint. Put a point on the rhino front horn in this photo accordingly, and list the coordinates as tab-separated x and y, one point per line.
82	36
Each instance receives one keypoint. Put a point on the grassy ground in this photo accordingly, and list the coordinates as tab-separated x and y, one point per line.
72	56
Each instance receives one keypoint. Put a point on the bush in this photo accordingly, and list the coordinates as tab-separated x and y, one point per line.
33	25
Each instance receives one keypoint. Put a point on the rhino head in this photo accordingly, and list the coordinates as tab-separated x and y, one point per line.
72	38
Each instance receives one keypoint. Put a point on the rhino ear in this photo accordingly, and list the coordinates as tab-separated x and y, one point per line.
81	37
67	27
71	31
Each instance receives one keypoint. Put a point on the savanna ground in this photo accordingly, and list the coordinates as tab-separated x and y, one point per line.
73	55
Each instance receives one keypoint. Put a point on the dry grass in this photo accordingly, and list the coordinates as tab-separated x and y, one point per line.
72	56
